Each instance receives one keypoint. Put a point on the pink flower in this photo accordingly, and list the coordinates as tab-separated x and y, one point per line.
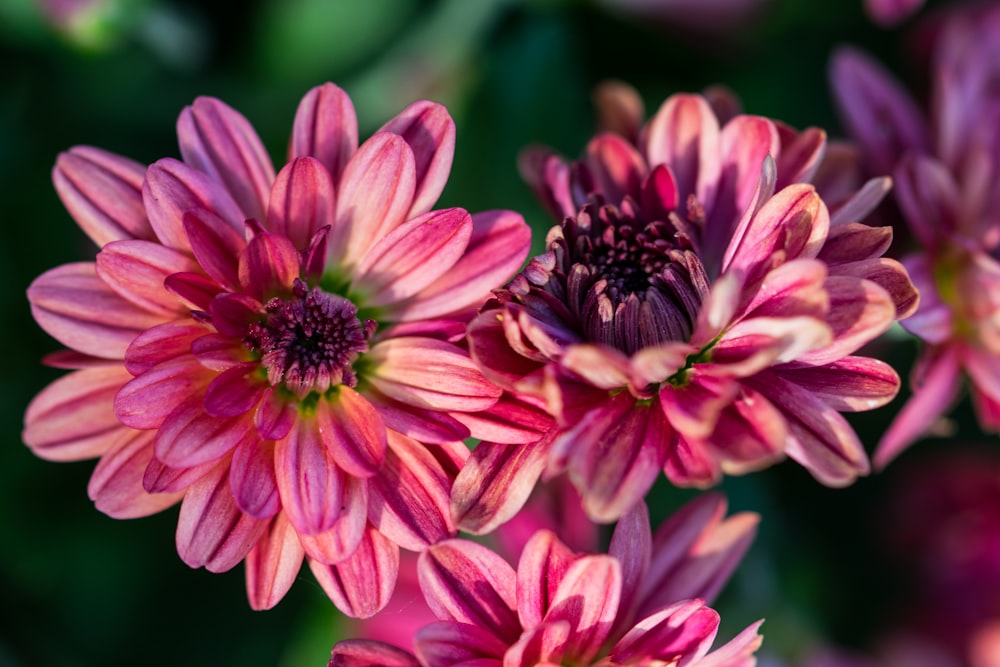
697	312
944	164
275	351
887	13
631	606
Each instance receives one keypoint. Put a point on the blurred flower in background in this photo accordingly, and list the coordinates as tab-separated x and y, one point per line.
944	162
888	13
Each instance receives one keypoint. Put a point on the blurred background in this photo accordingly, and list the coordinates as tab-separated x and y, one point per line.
852	568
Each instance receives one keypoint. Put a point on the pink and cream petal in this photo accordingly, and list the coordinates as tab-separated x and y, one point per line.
211	530
362	584
850	384
145	401
342	540
446	644
430	132
409	497
103	193
543	564
252	478
615	166
366	653
310	483
685	628
74	418
376	192
219	141
116	484
215	245
268	266
466	582
74	306
353	432
325	128
860	311
189	437
302	201
162	343
273	565
587	598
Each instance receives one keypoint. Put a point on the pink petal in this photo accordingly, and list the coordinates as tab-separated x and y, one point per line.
103	193
695	552
795	289
232	393
821	439
544	645
684	135
499	244
252	479
929	198
310	483
116	485
189	437
548	175
800	154
891	276
744	144
162	343
495	483
273	564
220	142
367	653
302	201
693	408
146	400
376	192
211	530
860	311
588	597
341	541
685	629
352	431
409	496
171	188
195	289
159	478
876	110
466	582
430	374
933	322
412	256
74	306
759	342
429	130
859	205
275	414
325	128
446	644
361	585
544	562
619	457
268	266
232	314
631	544
850	384
425	426
750	434
73	418
215	245
931	399
619	109
737	652
510	420
616	167
598	365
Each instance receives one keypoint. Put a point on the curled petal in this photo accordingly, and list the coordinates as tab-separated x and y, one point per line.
220	142
860	311
273	564
103	193
616	167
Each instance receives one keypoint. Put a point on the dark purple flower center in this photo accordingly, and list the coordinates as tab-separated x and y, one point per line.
310	340
632	283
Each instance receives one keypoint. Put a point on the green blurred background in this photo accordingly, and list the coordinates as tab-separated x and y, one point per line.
78	588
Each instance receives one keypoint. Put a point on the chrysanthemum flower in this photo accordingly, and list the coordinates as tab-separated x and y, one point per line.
945	165
273	350
643	603
697	312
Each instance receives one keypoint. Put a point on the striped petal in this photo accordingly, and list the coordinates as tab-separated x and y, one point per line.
302	201
430	132
325	128
273	564
361	585
310	483
116	484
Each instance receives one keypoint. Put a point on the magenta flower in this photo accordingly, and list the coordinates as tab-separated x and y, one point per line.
887	13
275	351
631	606
697	312
943	165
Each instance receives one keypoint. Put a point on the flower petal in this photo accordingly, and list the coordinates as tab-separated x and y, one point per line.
116	485
466	582
147	399
409	495
341	541
215	245
73	418
587	597
252	478
310	483
850	384
368	653
268	266
353	432
189	436
445	644
325	128
376	192
302	201
362	584
273	564
211	530
220	142
412	256
162	343
103	193
544	562
429	130
74	306
684	135
684	629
